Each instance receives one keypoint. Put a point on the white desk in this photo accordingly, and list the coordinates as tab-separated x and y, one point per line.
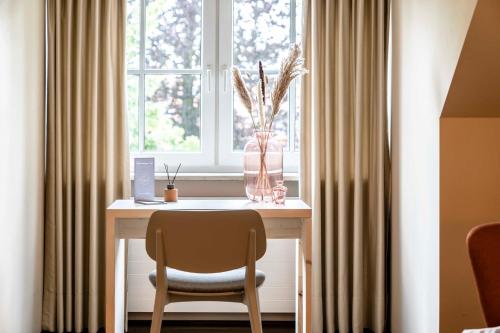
128	220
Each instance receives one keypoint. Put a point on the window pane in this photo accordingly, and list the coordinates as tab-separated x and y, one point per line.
133	33
133	111
172	113
265	30
298	21
173	34
298	90
261	32
243	128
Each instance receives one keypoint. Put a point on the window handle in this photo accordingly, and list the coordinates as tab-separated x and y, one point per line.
225	72
209	78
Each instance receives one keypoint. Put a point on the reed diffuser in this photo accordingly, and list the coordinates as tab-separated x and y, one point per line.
170	193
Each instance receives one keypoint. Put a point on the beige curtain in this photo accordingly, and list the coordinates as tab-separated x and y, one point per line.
345	164
86	157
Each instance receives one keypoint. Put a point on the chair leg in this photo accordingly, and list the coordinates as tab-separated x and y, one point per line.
158	312
252	300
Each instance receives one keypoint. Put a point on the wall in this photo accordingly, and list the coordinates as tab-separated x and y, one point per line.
427	39
470	193
470	164
21	164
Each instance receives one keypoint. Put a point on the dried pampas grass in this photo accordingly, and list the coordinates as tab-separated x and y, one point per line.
260	101
242	90
263	82
291	68
243	93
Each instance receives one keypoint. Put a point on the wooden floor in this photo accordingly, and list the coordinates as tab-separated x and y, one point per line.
210	327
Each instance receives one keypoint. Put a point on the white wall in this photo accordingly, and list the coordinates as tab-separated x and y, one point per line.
427	39
21	164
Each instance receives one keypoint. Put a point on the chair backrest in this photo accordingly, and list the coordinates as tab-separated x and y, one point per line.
483	243
205	241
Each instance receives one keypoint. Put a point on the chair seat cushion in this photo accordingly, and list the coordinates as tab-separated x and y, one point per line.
207	283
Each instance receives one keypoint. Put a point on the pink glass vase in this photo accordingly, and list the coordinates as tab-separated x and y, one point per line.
263	166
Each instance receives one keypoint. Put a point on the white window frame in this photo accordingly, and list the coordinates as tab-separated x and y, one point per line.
229	158
216	137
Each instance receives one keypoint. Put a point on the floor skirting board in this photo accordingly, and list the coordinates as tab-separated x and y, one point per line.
200	316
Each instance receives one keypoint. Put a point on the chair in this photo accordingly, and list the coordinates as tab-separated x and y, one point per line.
210	256
483	243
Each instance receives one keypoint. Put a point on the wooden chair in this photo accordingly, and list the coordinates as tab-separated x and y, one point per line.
483	243
210	256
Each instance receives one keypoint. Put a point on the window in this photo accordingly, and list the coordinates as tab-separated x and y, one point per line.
181	105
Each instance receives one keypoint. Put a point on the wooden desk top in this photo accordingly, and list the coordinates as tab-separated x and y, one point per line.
293	208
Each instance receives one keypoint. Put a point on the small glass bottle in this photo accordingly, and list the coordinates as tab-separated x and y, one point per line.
279	193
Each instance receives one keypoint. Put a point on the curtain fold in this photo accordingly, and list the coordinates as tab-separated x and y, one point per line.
345	162
87	164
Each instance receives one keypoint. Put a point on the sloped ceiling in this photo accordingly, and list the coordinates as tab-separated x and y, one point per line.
475	88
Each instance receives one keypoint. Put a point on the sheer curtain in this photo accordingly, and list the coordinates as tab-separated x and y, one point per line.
86	156
345	162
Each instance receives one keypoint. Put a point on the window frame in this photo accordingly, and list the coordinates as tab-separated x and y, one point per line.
216	112
234	159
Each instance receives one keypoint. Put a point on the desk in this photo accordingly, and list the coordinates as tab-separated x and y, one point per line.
128	220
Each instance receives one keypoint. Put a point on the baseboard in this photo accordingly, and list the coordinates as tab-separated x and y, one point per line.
202	316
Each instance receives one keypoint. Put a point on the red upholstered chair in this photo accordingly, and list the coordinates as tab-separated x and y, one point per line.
483	243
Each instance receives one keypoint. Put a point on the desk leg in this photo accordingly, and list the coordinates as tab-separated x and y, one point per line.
115	278
110	272
125	278
306	263
299	287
